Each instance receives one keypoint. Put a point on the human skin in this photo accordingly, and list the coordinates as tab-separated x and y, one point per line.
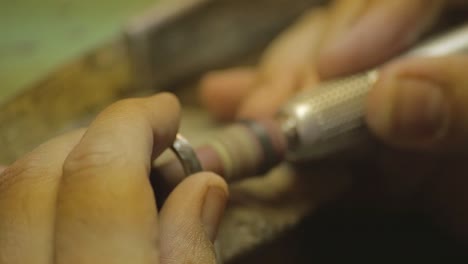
86	197
417	108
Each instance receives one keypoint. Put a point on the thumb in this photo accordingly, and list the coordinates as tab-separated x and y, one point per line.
190	218
422	103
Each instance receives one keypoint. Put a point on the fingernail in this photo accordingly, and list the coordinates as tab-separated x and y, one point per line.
213	210
419	109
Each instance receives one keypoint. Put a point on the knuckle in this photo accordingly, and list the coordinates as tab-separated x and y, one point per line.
145	107
91	160
168	101
168	98
128	106
126	103
27	169
8	177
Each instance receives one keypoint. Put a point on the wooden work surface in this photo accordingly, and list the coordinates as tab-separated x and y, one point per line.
40	36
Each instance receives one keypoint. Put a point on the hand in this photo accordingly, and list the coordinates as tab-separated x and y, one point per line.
419	108
421	164
85	197
346	37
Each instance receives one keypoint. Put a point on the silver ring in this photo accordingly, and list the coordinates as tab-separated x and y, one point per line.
186	155
189	160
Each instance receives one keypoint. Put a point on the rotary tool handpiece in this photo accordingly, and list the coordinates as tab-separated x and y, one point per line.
329	118
319	123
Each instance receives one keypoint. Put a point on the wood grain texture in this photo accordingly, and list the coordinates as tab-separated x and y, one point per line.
62	101
39	36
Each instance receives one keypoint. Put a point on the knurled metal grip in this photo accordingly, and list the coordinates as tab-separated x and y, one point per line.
327	119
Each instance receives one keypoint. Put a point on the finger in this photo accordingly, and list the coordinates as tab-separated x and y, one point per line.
222	92
28	191
290	63
422	104
343	15
190	218
2	168
106	211
385	29
286	65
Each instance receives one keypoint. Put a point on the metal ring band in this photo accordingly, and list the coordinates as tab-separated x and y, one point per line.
189	160
270	157
186	155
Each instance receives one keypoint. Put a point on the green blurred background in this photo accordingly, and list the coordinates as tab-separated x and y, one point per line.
37	36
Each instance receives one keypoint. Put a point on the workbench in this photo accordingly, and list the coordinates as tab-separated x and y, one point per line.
39	36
